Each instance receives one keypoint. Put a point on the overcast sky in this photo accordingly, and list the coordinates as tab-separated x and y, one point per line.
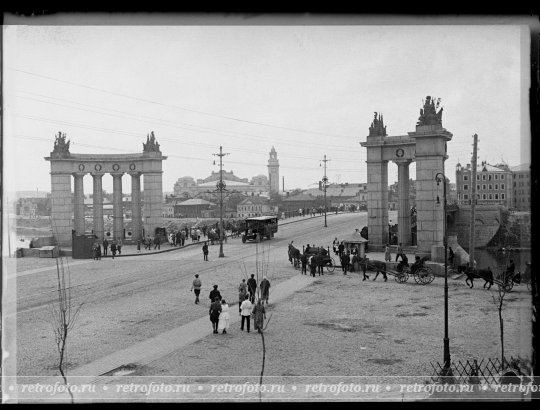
306	89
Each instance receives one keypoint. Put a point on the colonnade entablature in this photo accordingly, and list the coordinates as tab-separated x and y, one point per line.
426	146
67	211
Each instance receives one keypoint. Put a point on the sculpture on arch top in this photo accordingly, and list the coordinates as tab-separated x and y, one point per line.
377	127
151	143
429	114
61	147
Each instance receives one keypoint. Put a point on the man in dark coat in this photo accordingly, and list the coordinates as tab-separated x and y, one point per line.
205	251
252	287
341	249
215	294
105	246
303	259
345	260
215	310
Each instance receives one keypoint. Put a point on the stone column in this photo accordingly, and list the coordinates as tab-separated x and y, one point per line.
404	209
61	208
136	205
377	172
98	205
153	202
78	203
118	209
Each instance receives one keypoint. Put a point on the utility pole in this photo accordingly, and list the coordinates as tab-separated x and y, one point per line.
473	201
325	180
221	187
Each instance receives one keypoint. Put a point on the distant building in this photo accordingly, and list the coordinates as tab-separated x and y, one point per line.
33	207
262	185
521	184
254	206
493	185
193	208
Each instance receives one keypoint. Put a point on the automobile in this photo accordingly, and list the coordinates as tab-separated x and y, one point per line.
259	227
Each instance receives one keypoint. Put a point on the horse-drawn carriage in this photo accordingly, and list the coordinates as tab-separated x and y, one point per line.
325	258
421	273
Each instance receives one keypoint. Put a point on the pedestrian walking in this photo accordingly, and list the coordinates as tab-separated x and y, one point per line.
105	246
139	245
205	251
245	312
224	317
96	250
157	242
303	259
345	260
400	250
242	293
196	287
387	254
119	246
265	289
252	288
259	314
451	256
148	244
113	249
320	264
214	312
214	293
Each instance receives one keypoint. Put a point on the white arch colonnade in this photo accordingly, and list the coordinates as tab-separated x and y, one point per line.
68	215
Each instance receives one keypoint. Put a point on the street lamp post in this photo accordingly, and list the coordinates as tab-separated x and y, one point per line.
221	186
446	353
325	180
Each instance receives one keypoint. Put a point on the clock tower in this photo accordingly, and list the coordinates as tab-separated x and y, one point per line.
273	171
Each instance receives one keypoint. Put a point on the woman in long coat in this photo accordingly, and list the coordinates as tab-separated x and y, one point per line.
224	317
242	293
259	314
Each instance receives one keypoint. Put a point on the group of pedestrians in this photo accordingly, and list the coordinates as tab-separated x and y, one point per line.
115	246
219	310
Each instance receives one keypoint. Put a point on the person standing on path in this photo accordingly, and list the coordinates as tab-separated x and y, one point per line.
196	287
205	251
265	289
451	256
119	246
303	259
214	312
242	294
335	245
224	317
345	260
259	314
400	250
157	242
387	254
113	249
139	245
214	293
341	249
252	287
245	312
105	246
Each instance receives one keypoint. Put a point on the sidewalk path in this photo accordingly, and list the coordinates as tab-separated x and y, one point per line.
154	348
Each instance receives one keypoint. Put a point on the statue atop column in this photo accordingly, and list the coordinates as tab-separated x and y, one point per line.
377	126
429	114
61	147
151	143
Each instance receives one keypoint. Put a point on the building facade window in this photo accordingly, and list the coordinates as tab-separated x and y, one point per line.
484	187
465	187
496	176
496	186
483	177
483	196
502	186
502	196
465	177
465	196
490	187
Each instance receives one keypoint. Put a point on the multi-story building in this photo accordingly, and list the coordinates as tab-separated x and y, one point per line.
521	183
493	185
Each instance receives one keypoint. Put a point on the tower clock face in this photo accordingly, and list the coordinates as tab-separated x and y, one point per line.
399	153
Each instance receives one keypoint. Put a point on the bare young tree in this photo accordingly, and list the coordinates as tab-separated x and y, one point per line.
262	259
63	316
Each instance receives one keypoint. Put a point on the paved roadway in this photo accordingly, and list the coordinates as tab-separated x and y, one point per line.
134	298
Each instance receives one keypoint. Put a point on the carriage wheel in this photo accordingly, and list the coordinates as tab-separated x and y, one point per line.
423	276
401	277
332	266
431	275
